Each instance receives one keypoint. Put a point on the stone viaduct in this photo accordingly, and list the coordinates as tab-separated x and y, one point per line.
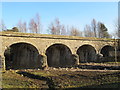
23	50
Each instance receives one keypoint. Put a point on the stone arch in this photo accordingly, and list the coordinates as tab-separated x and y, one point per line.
87	53
22	56
8	44
106	50
59	55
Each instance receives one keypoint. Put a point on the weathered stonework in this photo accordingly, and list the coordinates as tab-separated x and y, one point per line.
34	50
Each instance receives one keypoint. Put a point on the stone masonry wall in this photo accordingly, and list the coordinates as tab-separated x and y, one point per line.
43	42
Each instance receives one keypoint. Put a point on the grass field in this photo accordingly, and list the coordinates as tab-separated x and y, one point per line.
57	78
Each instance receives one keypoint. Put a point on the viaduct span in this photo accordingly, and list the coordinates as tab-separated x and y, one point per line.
22	50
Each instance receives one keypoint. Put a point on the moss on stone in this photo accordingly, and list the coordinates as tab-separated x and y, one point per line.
8	33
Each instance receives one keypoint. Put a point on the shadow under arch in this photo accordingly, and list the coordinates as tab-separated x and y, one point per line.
22	55
106	51
87	53
118	54
59	55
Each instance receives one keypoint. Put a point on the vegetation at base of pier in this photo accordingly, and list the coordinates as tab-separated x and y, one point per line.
61	78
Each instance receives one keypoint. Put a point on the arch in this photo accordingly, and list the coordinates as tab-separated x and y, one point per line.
106	51
87	53
59	55
8	44
22	56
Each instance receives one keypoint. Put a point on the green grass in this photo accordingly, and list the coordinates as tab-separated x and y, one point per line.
62	79
14	80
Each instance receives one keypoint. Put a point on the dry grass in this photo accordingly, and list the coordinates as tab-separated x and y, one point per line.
61	78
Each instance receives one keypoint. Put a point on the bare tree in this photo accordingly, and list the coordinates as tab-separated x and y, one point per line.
52	29
75	32
116	33
35	25
22	26
2	25
88	32
38	23
119	29
32	26
57	28
94	27
63	30
99	30
67	30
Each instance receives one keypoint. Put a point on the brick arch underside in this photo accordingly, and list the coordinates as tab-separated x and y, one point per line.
22	56
87	53
59	55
